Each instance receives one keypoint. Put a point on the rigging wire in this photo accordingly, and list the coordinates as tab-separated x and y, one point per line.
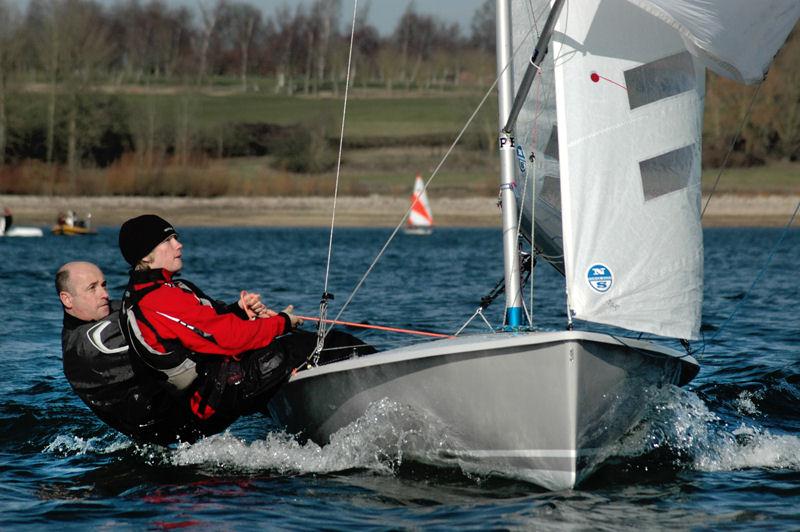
759	275
730	148
323	305
532	179
428	181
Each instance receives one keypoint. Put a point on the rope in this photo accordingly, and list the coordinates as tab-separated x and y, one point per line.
730	149
380	328
760	273
323	306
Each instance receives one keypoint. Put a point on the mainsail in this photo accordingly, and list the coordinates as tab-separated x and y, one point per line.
536	137
614	126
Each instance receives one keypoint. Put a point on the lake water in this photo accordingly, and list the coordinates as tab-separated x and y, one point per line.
723	452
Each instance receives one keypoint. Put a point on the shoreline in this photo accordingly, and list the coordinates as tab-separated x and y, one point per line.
724	210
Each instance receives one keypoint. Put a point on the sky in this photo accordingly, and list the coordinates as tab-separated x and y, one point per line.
384	14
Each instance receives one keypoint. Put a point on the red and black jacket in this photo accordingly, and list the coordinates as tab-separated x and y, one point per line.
175	330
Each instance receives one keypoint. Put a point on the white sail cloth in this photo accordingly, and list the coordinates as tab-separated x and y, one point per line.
615	124
735	38
630	106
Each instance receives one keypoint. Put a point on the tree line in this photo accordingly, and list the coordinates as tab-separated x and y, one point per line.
63	64
77	52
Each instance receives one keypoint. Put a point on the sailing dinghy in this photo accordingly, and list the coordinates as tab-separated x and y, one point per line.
613	127
23	231
420	217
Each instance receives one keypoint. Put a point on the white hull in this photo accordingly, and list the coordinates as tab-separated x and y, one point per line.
24	231
542	407
418	230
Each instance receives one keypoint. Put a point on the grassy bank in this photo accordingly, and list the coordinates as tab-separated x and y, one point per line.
385	171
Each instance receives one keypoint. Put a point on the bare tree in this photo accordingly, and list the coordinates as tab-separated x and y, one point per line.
324	21
239	23
86	53
483	27
281	43
10	24
210	16
415	35
43	36
367	42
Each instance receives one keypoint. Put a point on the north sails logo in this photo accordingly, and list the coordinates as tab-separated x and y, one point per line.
600	278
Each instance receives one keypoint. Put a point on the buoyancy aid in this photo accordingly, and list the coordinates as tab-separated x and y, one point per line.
176	368
209	379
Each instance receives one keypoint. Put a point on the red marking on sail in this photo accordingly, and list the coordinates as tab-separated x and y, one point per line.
595	77
418	208
420	214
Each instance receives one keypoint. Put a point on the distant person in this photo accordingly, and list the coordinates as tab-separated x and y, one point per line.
6	221
97	366
226	360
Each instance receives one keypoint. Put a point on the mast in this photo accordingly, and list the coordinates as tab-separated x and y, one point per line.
505	88
533	66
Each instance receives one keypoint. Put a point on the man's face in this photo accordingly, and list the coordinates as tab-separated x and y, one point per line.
167	255
86	297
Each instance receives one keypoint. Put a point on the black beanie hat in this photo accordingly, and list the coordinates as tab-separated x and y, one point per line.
139	236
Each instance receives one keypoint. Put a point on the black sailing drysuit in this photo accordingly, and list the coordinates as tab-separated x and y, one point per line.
97	367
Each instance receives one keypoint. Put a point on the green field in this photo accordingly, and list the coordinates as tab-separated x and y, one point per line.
412	131
373	116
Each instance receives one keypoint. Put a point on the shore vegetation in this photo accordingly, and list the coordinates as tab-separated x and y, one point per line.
230	100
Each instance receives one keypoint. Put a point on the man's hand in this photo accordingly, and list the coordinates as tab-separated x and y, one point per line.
296	321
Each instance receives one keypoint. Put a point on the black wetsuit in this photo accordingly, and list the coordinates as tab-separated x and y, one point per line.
97	366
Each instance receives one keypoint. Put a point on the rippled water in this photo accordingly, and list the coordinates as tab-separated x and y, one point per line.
723	452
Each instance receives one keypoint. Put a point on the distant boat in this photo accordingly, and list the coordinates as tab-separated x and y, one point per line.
420	219
24	231
69	225
72	230
7	227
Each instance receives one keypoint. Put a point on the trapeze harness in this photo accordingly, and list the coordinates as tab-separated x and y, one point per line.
215	384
